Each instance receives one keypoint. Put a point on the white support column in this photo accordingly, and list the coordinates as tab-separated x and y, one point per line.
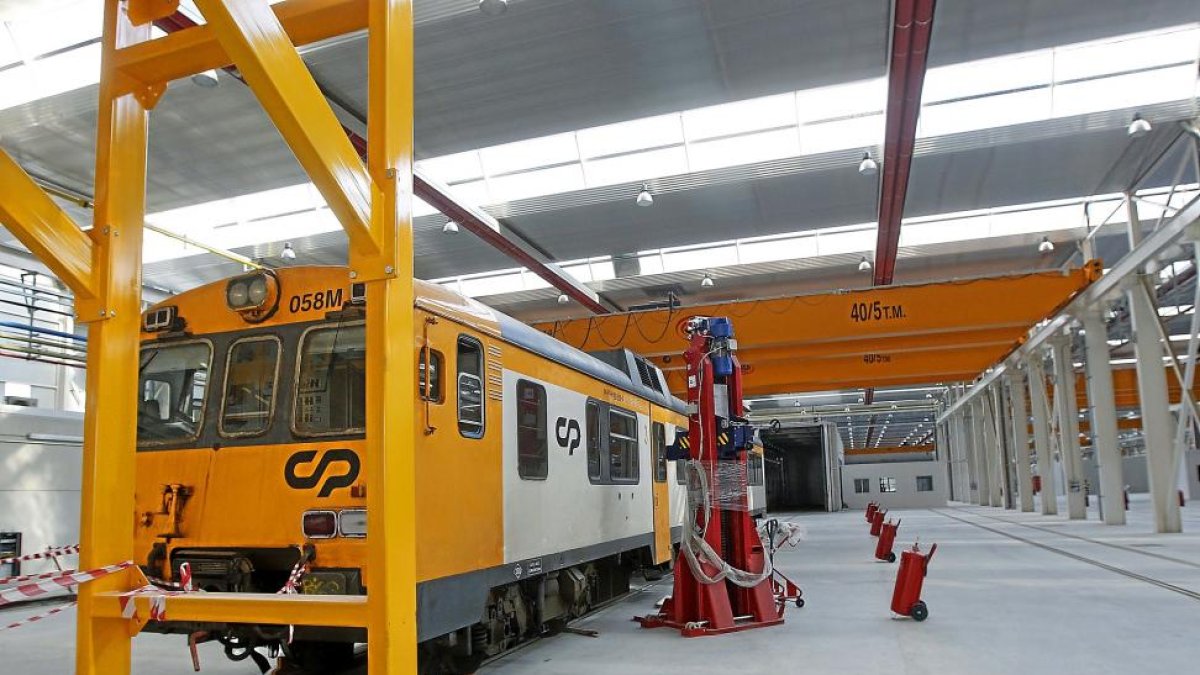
1068	426
1004	432
959	423
970	430
1041	433
1153	397
994	448
1020	436
1104	417
983	477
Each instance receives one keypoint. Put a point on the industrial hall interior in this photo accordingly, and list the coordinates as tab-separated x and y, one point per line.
578	337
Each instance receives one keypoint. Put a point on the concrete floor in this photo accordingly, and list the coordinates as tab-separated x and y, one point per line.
1060	599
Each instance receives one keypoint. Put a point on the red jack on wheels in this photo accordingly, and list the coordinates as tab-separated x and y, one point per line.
712	595
877	521
887	538
906	599
871	509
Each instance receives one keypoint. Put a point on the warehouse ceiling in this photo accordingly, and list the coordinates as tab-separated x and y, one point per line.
550	67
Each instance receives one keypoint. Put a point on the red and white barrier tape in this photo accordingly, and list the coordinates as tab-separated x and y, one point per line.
38	617
57	583
43	555
293	580
33	577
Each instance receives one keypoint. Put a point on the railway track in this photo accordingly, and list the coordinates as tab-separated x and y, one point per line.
1165	585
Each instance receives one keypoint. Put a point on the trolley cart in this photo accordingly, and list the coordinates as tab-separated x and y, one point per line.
877	522
887	538
906	599
871	509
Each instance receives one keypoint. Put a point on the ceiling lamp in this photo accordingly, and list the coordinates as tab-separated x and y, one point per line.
493	7
1046	246
864	265
644	197
208	79
563	299
868	166
1139	127
288	253
450	227
707	281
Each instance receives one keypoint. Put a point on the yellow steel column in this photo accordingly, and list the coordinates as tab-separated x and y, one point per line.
109	433
391	352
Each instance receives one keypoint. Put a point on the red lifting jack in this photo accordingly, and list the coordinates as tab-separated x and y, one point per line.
887	537
724	578
877	521
906	599
871	509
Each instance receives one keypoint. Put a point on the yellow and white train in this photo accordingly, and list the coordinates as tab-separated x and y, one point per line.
542	479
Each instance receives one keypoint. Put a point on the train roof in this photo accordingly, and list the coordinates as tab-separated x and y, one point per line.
620	368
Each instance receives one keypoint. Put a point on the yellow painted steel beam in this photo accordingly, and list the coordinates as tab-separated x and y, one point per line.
197	49
256	41
996	341
936	311
109	431
391	357
343	611
45	229
891	450
779	377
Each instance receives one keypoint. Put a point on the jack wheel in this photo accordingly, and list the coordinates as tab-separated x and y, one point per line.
919	611
891	557
799	602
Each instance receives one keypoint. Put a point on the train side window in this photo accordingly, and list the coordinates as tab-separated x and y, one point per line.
251	371
622	446
593	441
659	441
433	371
532	448
470	387
331	381
174	380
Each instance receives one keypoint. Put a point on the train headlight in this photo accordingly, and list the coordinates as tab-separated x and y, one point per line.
255	296
236	295
353	523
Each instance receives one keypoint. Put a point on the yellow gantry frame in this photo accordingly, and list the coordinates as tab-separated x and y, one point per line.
103	268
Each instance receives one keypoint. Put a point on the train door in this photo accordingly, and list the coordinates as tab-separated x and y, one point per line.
662	500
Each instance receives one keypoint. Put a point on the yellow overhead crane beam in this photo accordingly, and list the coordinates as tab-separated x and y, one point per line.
895	335
103	267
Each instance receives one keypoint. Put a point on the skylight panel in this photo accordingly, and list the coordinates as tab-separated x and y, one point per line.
988	75
65	25
492	285
475	192
530	154
274	202
456	168
753	114
421	208
537	183
65	72
8	53
985	113
856	132
636	167
699	258
759	147
768	250
623	137
1122	55
17	86
197	217
847	241
1122	91
841	100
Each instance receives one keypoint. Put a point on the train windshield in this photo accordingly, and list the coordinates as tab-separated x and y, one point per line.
332	382
172	383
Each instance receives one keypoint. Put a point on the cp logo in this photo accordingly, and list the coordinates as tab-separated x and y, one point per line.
566	431
347	458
